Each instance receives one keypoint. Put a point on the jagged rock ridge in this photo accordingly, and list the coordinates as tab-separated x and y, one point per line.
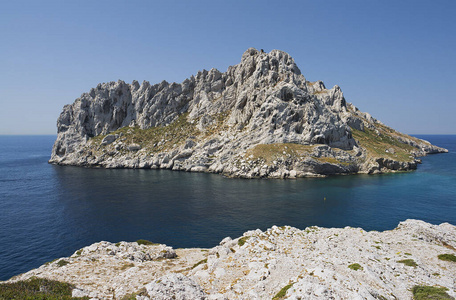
261	118
314	263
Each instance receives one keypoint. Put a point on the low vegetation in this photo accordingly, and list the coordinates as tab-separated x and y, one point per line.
447	257
146	242
422	292
218	124
127	266
159	138
355	267
62	263
377	144
37	288
272	152
281	294
408	262
242	240
203	261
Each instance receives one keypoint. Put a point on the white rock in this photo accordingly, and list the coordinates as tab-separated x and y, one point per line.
175	286
314	262
263	100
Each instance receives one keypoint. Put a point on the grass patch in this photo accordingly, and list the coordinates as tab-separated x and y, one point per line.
408	262
132	296
62	263
203	261
330	160
377	144
281	294
447	257
355	267
448	246
37	288
127	266
79	252
156	139
146	242
422	292
272	152
242	240
320	92
218	124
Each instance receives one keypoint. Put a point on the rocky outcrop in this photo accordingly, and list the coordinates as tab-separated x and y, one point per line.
261	118
314	263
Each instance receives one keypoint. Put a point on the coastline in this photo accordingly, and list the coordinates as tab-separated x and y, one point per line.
320	263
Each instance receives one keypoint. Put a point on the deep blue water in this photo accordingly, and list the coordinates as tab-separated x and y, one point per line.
49	211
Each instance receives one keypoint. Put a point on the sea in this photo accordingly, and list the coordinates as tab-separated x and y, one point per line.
49	211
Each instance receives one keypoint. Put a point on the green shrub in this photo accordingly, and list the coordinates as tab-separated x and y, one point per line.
146	242
355	267
37	288
282	292
199	263
447	257
242	240
62	263
422	292
408	262
131	296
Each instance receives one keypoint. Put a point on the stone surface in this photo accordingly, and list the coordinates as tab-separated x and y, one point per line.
314	263
235	123
175	286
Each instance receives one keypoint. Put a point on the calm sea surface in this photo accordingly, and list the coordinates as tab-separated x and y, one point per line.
50	211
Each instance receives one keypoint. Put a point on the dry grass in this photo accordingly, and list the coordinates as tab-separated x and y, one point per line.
218	125
376	145
157	139
320	92
271	152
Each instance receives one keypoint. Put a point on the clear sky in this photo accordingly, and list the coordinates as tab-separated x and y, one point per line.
393	59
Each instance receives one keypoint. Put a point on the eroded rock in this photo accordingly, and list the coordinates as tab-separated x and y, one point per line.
314	263
215	122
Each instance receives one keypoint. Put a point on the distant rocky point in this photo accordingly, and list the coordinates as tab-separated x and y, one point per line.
261	118
279	263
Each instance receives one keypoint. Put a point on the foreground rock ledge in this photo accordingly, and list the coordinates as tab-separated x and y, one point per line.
314	263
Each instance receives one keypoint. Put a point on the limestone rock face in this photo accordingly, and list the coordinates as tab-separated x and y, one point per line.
175	286
216	121
314	263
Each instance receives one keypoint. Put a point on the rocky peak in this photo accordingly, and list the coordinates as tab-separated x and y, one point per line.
223	117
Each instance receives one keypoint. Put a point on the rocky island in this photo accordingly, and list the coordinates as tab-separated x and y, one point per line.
415	260
259	119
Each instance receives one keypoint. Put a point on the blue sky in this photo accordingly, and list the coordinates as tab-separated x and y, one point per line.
393	59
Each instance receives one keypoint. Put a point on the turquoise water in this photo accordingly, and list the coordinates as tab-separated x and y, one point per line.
49	211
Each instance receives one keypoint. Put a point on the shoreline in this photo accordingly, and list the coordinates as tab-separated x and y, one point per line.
315	262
